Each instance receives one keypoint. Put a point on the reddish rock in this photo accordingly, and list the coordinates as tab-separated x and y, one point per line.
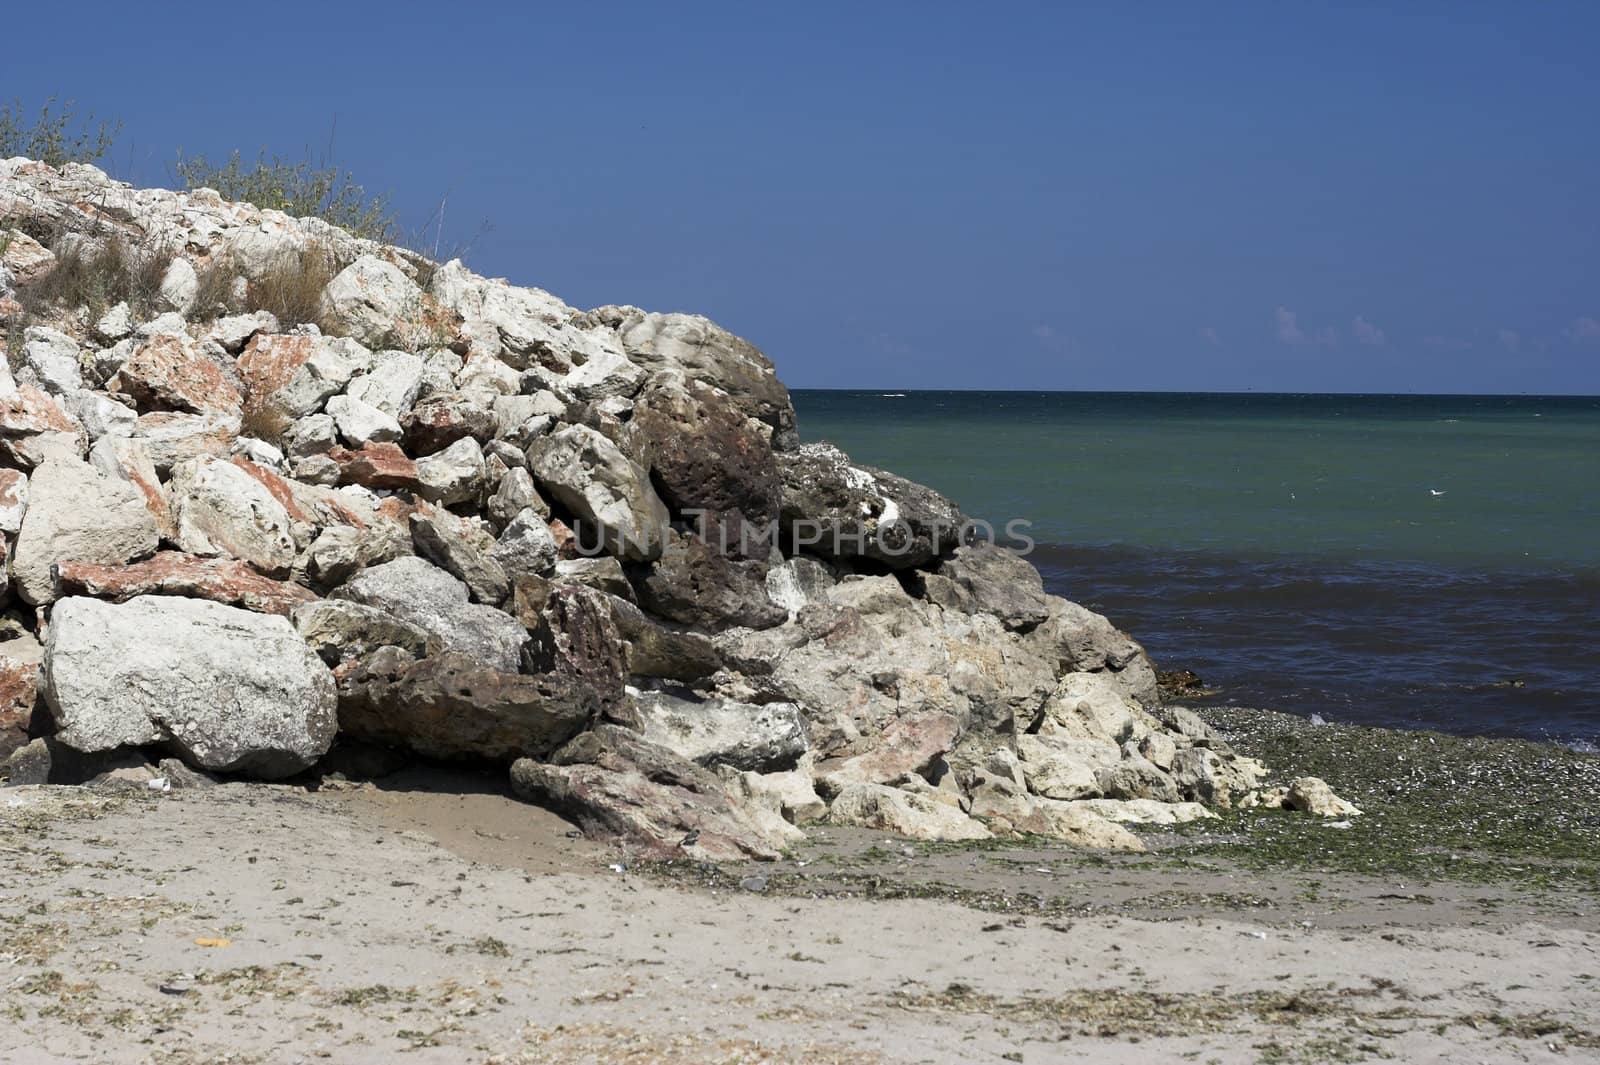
30	411
270	361
438	422
168	371
175	573
376	466
566	540
19	692
282	490
907	745
134	465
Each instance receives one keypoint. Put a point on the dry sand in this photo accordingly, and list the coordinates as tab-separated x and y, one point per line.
408	924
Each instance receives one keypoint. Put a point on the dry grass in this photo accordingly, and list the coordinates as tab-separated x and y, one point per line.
264	421
292	287
97	276
215	294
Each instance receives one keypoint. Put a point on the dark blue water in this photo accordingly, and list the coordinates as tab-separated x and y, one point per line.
1402	560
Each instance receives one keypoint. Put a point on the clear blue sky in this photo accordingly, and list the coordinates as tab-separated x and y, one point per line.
1279	196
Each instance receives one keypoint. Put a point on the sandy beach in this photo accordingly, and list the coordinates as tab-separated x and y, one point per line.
398	921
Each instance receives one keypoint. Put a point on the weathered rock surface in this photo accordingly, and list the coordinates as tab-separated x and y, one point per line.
591	477
838	510
715	731
175	573
423	595
227	689
76	514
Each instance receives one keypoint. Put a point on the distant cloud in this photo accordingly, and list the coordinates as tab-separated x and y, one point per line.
1446	343
1585	329
1289	331
1510	339
1367	333
1210	336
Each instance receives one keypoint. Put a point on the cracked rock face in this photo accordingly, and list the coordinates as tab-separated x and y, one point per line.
460	519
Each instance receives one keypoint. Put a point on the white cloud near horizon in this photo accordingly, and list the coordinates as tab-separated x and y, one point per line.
1210	336
1510	339
1290	332
1585	329
1367	333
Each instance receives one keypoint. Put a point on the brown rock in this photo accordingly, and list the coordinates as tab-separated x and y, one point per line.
906	745
170	373
175	573
376	466
440	421
21	718
270	361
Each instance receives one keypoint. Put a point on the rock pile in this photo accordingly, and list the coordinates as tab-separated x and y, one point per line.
461	520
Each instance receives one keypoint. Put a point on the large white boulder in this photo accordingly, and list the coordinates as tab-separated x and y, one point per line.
371	298
230	690
219	509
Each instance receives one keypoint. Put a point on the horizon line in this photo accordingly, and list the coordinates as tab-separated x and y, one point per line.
890	390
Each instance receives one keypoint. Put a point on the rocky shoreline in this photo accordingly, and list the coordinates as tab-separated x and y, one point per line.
278	502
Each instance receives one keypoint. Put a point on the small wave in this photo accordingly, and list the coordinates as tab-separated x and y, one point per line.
891	395
1583	746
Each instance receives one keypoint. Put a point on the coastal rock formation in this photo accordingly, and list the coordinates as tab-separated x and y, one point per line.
449	517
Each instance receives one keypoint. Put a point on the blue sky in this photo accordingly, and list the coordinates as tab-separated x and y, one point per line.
1351	197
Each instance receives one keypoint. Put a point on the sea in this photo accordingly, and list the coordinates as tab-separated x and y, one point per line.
1396	560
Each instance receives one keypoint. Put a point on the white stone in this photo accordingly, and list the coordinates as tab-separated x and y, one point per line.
392	385
361	423
76	513
231	690
50	358
372	298
180	285
219	509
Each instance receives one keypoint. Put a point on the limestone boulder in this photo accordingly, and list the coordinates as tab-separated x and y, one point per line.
170	372
838	510
714	731
218	508
421	594
76	513
227	689
592	478
370	299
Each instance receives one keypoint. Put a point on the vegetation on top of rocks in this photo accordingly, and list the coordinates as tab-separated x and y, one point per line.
99	276
303	188
55	137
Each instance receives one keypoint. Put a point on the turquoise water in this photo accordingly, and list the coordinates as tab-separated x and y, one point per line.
1417	560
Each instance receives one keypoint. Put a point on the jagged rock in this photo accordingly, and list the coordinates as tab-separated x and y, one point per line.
175	573
1212	776
1136	778
115	324
76	513
1312	795
99	415
429	598
453	706
529	325
838	510
33	425
798	582
713	731
1078	640
50	360
916	814
128	459
607	374
342	631
526	545
463	549
173	437
391	385
370	299
654	651
218	508
20	659
696	585
591	477
454	475
232	332
907	746
361	423
987	578
574	635
24	258
293	375
341	551
790	794
618	787
603	574
376	466
179	285
443	419
169	372
315	434
13	499
700	350
227	689
488	377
